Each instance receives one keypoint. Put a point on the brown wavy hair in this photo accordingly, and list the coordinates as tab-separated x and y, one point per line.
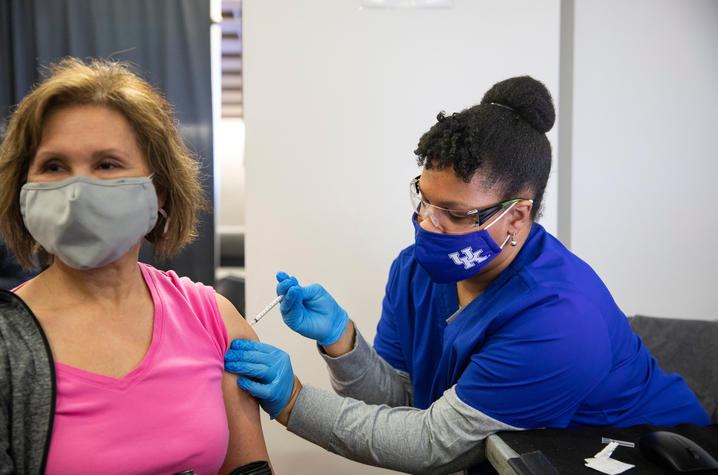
110	84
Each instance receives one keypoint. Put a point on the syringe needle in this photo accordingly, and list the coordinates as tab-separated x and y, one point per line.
266	310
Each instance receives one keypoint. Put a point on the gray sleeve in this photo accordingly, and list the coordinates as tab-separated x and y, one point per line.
446	437
6	462
364	375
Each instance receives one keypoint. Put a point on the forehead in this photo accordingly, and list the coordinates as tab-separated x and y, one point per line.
72	128
444	188
92	118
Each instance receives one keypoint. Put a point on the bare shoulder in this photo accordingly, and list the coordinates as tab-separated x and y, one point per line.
30	292
237	326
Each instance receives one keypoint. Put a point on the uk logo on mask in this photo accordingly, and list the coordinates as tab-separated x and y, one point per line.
469	259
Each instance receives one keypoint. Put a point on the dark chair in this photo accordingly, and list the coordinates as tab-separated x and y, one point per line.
11	274
232	287
686	347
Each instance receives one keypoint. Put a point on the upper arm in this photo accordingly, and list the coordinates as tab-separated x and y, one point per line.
537	369
246	441
237	326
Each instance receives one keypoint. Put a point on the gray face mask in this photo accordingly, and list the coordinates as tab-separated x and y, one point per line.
87	222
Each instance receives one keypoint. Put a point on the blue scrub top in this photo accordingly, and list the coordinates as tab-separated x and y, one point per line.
544	345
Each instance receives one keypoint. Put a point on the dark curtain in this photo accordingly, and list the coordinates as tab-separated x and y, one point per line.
168	43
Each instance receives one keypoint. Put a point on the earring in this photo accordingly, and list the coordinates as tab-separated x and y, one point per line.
163	213
513	241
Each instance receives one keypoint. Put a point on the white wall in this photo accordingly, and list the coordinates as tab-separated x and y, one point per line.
644	158
336	98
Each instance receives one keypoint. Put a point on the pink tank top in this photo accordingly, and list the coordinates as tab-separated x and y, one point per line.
165	416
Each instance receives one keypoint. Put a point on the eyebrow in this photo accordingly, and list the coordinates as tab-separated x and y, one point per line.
104	151
53	153
453	205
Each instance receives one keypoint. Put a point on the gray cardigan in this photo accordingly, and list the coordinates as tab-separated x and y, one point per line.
27	389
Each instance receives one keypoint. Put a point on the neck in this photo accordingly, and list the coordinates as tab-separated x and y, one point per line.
112	283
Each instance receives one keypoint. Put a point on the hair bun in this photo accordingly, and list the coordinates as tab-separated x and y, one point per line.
528	97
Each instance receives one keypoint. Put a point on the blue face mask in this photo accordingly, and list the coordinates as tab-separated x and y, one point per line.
449	258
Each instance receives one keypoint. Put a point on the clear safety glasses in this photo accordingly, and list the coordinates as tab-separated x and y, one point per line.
452	221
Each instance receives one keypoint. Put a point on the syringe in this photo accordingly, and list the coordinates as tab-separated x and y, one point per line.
266	310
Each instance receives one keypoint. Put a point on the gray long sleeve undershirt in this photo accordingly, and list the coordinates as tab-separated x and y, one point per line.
370	420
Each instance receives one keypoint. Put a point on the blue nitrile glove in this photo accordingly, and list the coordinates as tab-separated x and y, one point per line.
311	311
269	366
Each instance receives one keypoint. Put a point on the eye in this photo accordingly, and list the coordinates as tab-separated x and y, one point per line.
108	165
51	166
458	217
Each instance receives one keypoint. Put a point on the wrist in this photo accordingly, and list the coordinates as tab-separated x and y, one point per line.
344	344
338	329
283	417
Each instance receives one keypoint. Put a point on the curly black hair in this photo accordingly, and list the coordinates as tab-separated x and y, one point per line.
503	138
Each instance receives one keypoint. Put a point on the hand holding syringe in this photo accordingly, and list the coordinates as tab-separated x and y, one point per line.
266	310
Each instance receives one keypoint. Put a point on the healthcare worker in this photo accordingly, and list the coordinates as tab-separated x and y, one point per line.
488	323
